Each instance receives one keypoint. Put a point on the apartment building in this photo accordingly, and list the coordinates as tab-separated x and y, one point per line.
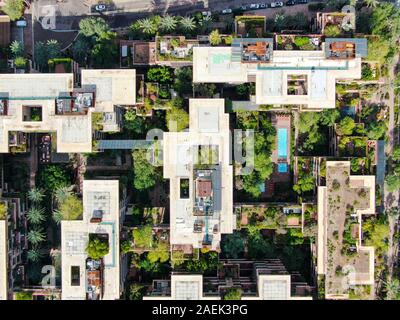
341	256
283	77
51	103
84	278
197	164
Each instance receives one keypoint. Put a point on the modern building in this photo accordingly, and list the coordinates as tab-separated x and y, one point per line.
13	243
282	77
197	164
341	256
50	103
82	277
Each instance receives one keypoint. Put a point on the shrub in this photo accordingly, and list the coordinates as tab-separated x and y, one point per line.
301	41
332	31
97	247
3	210
233	294
22	295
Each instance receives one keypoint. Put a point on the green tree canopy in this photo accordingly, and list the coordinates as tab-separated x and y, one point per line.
145	174
97	248
346	126
233	245
143	236
160	253
215	38
53	177
177	118
161	74
14	9
71	208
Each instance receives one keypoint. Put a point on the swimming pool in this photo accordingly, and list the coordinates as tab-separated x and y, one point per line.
282	167
282	142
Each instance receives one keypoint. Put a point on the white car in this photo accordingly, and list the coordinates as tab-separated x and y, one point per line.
206	13
226	11
254	6
276	4
100	7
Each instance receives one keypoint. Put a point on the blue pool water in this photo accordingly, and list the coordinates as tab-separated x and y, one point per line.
282	167
282	142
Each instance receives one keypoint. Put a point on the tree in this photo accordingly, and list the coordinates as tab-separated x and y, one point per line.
396	153
160	253
280	21
233	294
97	248
143	236
62	193
177	118
35	195
133	122
392	183
104	53
57	216
328	117
148	26
376	130
17	48
53	177
53	48
346	127
378	49
332	31
184	80
392	287
215	38
161	74
81	48
14	9
34	254
145	174
187	24
71	208
35	236
36	215
205	24
371	3
386	21
41	57
233	245
168	23
136	291
94	27
305	182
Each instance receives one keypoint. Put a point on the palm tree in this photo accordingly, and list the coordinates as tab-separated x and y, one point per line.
36	236
280	21
17	48
58	216
215	38
35	195
36	215
34	254
392	289
168	23
371	3
53	49
188	23
205	23
147	25
61	194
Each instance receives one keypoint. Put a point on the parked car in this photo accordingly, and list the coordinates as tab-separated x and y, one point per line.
277	4
263	5
206	13
254	6
290	3
100	7
302	1
226	11
244	8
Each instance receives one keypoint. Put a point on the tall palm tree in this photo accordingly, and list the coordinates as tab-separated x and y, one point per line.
57	216
280	21
392	289
62	193
36	215
35	195
371	3
206	23
35	236
34	254
168	23
147	25
188	23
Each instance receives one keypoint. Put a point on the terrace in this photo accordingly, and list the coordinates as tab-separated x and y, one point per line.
77	102
341	204
174	49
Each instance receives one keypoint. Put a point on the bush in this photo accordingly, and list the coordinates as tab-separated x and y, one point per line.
71	208
332	31
233	294
23	295
14	9
97	247
3	210
143	237
160	74
20	62
301	41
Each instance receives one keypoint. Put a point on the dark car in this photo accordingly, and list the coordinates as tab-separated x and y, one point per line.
290	3
302	1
